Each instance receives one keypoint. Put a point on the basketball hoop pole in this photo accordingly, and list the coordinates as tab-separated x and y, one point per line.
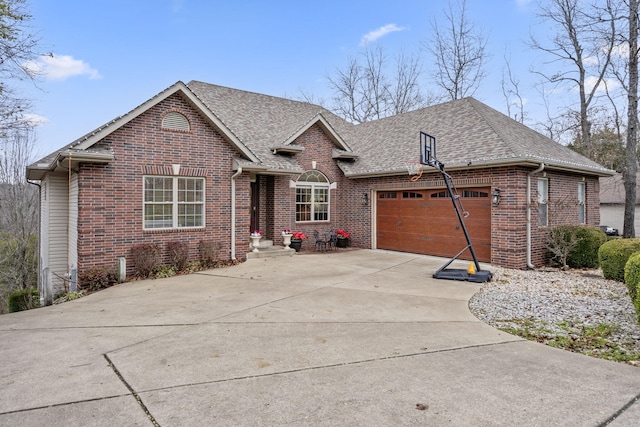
449	181
428	157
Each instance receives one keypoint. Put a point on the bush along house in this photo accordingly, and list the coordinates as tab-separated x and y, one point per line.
204	163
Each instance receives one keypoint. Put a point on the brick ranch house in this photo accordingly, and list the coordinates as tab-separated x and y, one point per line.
204	162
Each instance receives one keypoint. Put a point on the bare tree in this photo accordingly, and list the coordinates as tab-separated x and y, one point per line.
405	94
583	44
366	90
459	52
632	124
17	47
511	92
19	205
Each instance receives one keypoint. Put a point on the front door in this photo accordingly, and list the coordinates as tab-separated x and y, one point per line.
255	207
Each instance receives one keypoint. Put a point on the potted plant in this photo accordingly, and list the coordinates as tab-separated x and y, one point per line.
255	239
296	240
343	238
286	238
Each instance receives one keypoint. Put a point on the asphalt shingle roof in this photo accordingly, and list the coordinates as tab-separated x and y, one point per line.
468	132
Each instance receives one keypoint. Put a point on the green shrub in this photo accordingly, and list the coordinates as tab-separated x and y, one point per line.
164	271
632	274
97	278
67	296
613	256
24	299
585	253
208	253
179	254
145	258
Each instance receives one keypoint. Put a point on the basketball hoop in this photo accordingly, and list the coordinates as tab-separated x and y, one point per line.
415	169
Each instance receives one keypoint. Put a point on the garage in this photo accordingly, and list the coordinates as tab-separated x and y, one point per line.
425	222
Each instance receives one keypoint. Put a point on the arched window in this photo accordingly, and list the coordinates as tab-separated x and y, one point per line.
312	197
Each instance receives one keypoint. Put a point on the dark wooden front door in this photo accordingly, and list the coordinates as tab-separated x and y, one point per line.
425	222
255	207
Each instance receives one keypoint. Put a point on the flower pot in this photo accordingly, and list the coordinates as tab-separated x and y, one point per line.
286	240
342	243
296	244
255	242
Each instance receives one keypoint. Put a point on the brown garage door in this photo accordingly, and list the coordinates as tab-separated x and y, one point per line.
425	222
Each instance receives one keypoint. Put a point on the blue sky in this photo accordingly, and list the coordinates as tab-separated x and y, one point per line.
112	55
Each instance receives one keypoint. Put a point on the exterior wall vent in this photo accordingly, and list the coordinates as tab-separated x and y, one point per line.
176	121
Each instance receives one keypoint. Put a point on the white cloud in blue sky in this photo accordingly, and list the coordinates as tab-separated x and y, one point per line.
35	119
374	35
61	67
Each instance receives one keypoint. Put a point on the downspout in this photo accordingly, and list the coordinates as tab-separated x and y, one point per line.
40	279
233	212
540	169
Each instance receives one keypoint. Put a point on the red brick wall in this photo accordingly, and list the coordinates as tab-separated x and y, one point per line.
508	219
346	210
110	198
110	211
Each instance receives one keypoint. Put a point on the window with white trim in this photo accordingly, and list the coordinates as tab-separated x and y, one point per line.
173	202
312	197
543	202
582	217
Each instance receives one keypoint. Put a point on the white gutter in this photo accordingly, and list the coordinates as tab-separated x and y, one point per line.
233	212
540	169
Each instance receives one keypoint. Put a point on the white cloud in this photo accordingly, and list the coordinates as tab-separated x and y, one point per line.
621	50
374	35
61	67
590	82
35	119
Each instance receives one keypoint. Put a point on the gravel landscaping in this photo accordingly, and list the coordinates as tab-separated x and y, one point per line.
577	310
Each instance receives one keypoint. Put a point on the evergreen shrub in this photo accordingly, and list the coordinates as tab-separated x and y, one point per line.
585	253
632	274
24	299
613	256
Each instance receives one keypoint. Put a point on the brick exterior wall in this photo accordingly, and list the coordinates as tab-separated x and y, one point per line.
111	208
110	213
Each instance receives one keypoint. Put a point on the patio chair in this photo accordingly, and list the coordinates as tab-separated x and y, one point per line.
332	240
321	242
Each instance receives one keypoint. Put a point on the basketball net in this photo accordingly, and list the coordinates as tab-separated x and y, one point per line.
415	169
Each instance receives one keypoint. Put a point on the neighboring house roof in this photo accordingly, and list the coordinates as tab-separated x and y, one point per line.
469	134
612	190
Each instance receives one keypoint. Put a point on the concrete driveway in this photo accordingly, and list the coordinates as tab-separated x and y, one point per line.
355	338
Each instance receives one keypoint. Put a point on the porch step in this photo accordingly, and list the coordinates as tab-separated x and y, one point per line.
270	251
264	244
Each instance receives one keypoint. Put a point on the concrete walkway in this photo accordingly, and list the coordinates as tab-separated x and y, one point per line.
355	338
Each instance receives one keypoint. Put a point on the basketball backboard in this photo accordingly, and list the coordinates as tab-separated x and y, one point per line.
427	149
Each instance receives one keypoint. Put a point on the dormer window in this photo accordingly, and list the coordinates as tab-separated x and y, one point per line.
176	121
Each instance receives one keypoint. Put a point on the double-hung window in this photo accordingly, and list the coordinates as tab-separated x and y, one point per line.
543	202
582	217
173	202
312	197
